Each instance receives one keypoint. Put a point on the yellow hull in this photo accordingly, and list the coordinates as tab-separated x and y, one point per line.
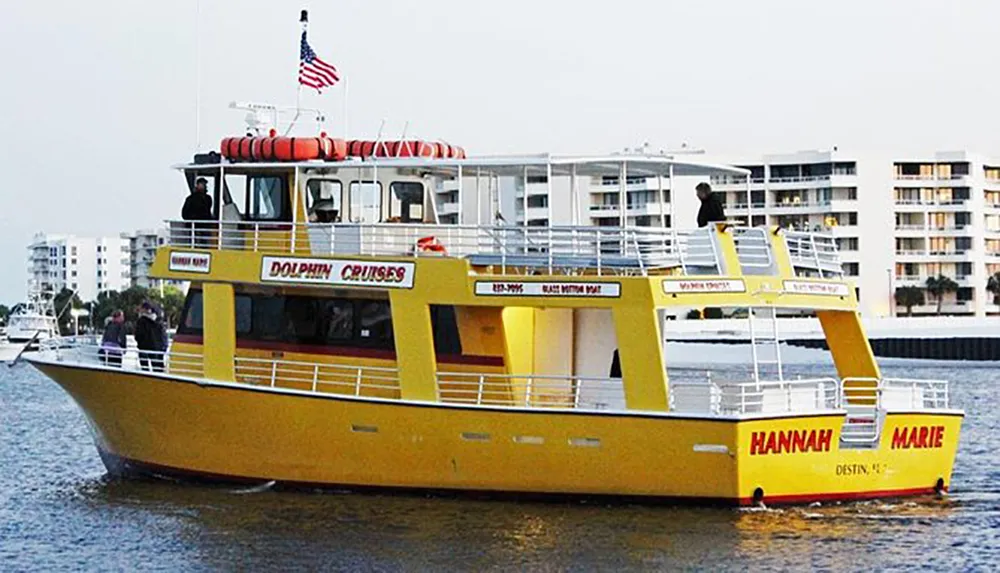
164	425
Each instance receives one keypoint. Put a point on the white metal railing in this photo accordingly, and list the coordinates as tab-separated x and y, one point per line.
727	398
314	377
532	391
916	394
813	253
87	351
602	248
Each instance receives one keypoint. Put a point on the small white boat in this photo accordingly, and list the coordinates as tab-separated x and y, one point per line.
32	322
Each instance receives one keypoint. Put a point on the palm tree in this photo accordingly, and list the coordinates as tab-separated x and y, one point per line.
909	297
993	286
939	286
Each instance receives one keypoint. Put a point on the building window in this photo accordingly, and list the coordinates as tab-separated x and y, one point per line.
851	269
964	294
72	251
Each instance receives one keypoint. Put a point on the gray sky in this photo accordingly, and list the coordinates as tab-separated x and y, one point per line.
98	98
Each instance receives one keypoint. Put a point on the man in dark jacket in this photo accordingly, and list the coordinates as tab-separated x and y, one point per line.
198	205
198	208
711	210
150	337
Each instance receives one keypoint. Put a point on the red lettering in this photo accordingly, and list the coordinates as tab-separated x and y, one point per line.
770	448
938	436
922	442
899	438
811	443
824	440
799	441
784	442
756	443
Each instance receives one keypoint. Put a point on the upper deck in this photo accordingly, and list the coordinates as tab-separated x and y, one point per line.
388	208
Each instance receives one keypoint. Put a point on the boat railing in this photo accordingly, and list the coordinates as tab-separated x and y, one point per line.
813	254
87	351
606	249
764	397
531	391
354	380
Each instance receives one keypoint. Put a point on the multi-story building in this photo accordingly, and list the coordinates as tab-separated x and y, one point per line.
896	221
142	252
85	265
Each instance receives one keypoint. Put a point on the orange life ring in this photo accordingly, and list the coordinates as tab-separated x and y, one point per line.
404	148
283	148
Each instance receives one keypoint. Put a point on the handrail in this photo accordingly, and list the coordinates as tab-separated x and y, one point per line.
531	391
87	350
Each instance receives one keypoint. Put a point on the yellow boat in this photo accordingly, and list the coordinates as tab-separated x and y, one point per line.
383	348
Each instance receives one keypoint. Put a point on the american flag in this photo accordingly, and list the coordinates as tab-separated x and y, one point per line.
314	72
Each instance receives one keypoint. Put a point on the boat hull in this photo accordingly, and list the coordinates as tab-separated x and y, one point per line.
158	425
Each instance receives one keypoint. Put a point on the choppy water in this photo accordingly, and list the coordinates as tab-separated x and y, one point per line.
59	512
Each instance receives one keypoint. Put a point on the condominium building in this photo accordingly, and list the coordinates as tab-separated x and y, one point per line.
142	252
82	264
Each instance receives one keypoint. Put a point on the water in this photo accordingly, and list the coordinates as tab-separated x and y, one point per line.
59	512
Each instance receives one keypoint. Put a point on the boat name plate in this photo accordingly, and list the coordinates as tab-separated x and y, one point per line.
296	270
811	287
557	289
672	286
188	262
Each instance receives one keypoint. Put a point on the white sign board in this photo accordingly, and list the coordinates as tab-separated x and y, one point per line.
334	272
556	289
701	286
812	287
184	262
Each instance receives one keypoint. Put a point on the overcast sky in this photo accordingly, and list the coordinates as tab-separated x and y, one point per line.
98	98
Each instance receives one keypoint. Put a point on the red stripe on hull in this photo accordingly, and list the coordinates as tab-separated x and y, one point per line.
349	352
846	496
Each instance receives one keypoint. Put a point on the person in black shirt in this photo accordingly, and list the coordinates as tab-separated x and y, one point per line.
711	210
150	337
198	208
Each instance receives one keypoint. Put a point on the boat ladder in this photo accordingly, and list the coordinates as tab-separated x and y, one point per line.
765	344
862	427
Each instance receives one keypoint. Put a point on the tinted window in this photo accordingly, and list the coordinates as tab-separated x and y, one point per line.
375	323
338	321
192	317
244	317
269	317
302	317
446	338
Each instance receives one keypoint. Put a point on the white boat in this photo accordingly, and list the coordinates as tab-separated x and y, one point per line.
31	323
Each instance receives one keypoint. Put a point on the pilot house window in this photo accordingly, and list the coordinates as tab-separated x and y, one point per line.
268	201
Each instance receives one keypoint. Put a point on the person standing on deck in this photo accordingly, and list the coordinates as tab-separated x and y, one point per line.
150	337
711	210
198	208
114	341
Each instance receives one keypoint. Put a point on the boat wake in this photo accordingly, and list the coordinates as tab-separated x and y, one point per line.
255	489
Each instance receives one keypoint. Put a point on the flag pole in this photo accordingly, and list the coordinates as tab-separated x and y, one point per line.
345	107
304	20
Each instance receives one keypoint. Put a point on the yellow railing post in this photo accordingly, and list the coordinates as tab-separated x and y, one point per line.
640	353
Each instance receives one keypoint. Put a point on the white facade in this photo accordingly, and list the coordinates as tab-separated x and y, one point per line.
897	220
142	252
85	265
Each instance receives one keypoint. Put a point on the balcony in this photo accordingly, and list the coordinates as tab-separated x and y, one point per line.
992	184
931	205
937	256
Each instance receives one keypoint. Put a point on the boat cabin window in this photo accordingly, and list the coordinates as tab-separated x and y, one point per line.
268	199
406	201
316	321
366	202
192	317
255	198
323	200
